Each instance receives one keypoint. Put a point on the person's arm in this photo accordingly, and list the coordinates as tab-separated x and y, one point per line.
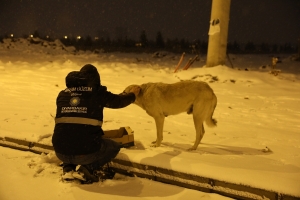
118	101
122	100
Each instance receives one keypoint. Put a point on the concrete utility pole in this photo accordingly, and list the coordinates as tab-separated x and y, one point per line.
218	32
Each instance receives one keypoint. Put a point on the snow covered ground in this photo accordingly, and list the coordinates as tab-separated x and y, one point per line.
256	142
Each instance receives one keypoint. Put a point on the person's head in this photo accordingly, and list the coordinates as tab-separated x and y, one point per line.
91	74
76	79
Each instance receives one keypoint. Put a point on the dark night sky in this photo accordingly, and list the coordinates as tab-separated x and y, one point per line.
271	21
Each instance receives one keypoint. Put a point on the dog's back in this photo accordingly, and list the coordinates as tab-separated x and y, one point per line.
172	99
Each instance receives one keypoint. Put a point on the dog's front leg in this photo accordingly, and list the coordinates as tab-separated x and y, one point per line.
159	122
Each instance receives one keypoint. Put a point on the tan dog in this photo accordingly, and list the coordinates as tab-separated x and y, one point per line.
194	97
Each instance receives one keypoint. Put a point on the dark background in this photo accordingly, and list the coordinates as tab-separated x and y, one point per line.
269	21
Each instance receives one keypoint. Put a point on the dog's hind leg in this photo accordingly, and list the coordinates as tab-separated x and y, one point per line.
198	122
159	122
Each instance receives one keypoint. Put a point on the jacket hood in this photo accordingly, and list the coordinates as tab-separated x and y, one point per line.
91	74
75	79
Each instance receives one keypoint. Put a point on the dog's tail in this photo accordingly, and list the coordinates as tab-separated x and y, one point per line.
210	121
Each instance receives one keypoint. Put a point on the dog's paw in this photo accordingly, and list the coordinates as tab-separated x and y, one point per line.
155	144
191	149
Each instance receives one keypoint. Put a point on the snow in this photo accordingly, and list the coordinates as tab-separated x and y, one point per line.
256	142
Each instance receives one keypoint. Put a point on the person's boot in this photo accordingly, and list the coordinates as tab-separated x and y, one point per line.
85	174
68	170
105	172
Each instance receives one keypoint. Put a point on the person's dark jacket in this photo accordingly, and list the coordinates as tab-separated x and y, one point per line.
79	115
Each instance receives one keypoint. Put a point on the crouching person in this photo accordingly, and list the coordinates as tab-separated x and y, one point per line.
77	137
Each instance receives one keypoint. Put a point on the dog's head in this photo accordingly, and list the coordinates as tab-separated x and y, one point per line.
129	88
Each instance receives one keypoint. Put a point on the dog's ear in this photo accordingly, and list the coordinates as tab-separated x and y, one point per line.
127	89
141	92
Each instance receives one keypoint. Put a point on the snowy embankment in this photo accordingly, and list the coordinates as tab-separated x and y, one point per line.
256	142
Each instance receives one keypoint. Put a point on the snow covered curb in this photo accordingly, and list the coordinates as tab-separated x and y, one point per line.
169	176
25	145
195	182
